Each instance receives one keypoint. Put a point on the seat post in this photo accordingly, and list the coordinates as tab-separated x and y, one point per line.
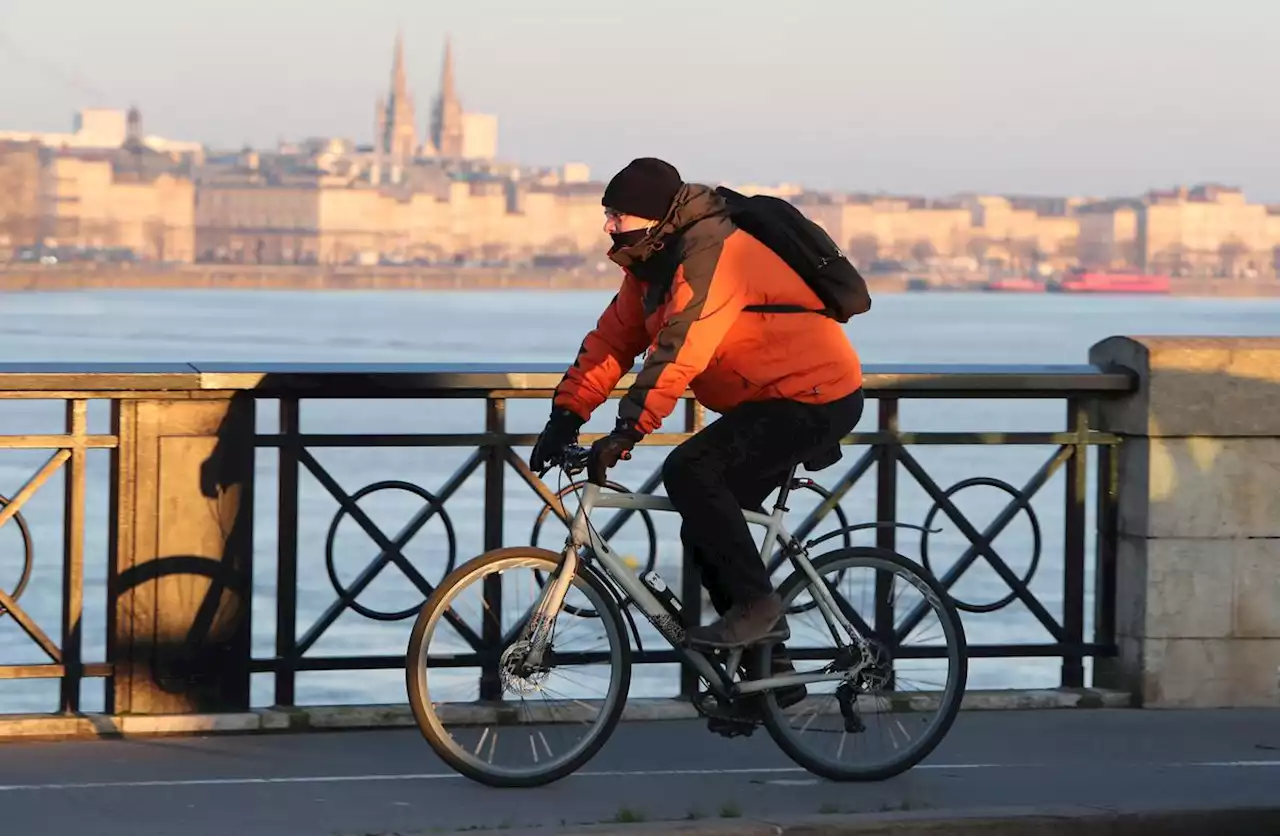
785	491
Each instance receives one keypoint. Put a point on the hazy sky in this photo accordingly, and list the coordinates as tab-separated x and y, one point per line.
920	96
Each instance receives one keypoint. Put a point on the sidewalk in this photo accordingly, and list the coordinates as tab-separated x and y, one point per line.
389	782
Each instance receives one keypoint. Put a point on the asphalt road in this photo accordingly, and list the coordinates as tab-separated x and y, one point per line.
384	782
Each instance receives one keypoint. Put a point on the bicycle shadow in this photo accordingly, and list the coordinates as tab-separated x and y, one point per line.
182	625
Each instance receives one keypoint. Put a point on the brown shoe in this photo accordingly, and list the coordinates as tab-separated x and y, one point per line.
747	623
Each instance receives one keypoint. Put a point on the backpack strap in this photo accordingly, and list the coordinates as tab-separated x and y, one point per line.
785	309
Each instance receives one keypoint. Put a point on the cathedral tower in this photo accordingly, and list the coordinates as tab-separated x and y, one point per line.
395	137
446	118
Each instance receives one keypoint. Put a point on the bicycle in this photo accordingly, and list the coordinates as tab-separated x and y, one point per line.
736	699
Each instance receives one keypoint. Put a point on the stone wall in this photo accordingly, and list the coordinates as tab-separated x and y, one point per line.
1198	559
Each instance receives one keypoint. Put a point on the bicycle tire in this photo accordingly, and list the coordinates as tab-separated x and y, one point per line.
774	719
424	715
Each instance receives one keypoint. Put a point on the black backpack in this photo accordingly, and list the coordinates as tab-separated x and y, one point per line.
806	248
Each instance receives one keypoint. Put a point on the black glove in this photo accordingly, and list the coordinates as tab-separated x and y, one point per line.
561	431
607	451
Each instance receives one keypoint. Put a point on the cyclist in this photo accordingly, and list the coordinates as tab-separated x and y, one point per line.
787	386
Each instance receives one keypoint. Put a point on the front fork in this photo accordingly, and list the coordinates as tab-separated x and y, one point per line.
538	632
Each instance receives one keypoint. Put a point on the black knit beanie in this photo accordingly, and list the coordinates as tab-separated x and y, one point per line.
645	188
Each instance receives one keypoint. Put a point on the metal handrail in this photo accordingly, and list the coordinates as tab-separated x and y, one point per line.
515	379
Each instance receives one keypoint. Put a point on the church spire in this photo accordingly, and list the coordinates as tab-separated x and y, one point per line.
446	118
397	136
399	86
446	72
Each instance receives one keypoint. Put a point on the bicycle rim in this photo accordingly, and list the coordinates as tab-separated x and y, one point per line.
903	704
517	740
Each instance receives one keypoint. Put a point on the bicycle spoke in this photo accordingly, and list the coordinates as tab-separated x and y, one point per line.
886	712
551	714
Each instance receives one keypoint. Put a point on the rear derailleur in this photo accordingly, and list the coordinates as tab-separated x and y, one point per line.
848	701
876	672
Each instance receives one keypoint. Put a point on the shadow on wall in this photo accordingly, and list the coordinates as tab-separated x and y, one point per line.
182	571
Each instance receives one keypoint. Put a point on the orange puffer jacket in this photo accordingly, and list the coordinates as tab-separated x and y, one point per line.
681	304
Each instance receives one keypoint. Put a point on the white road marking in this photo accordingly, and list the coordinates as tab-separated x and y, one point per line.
639	773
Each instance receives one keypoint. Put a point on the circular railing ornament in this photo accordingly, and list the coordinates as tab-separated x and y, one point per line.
28	555
1023	503
344	592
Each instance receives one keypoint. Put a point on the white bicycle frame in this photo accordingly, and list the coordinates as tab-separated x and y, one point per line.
581	534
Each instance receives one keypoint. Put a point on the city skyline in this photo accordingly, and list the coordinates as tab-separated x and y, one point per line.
996	99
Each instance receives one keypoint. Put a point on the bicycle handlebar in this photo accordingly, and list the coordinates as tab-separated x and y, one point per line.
573	459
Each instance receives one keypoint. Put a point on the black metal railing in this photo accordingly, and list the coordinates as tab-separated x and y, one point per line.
887	449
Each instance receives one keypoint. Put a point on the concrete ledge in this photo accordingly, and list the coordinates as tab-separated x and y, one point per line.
1000	821
315	718
1192	386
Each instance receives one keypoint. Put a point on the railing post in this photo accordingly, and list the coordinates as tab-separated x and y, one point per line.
181	543
1073	545
287	554
73	558
494	468
886	511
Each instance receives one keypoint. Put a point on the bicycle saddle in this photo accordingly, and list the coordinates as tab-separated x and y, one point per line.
823	458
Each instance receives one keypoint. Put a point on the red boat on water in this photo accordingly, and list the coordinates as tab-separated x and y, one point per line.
1014	285
1082	281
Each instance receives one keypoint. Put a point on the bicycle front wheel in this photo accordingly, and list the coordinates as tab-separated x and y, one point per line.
502	722
898	695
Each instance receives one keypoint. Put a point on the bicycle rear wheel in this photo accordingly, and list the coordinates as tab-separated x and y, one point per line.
508	742
890	604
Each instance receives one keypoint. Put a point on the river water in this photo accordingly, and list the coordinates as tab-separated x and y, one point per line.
527	326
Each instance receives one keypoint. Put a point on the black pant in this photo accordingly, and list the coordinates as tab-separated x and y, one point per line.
734	464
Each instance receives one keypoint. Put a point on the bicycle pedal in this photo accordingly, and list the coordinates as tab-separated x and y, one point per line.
731	728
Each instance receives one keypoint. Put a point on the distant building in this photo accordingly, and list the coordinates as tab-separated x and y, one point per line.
479	136
278	210
1109	234
1023	231
129	198
872	228
785	190
965	232
20	176
1206	230
99	129
575	173
105	187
